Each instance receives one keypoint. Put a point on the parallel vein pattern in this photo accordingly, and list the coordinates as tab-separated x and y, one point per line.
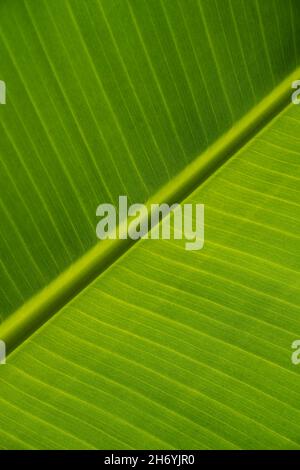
177	349
111	97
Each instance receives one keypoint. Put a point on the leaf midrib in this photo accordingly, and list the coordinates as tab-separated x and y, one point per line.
46	303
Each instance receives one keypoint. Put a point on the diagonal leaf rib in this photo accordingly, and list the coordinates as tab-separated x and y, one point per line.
47	302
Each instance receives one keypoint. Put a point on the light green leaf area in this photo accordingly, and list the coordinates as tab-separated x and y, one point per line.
111	97
170	348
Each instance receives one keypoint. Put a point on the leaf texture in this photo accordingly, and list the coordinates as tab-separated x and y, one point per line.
111	97
177	349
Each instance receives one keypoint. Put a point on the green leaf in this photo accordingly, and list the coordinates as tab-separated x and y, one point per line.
164	348
176	349
116	97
